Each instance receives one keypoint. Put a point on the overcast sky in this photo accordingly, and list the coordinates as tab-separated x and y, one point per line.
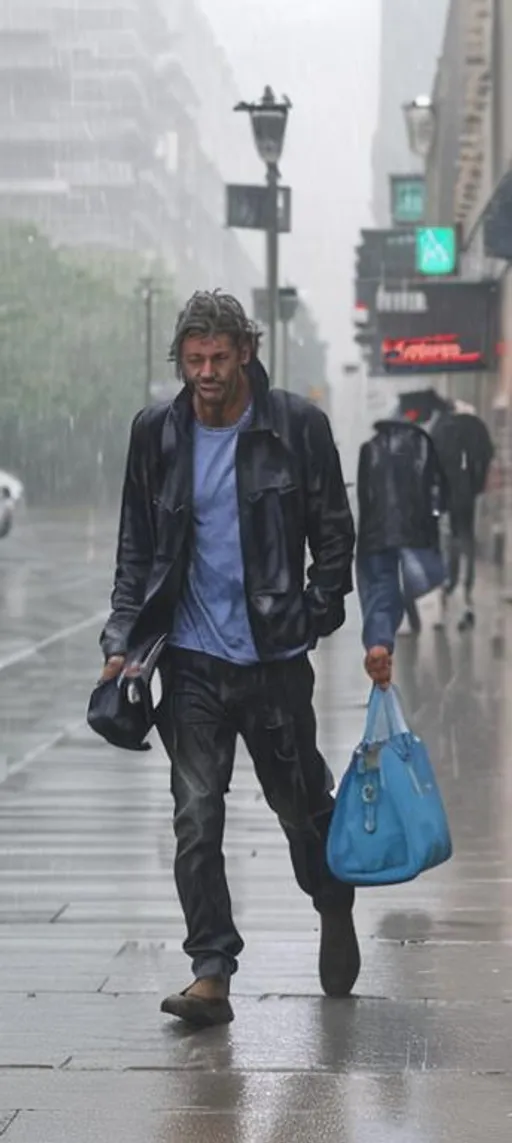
324	55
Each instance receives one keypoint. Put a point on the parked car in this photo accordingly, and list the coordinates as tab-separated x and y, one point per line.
11	495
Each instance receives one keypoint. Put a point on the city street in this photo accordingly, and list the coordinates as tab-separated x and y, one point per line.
91	930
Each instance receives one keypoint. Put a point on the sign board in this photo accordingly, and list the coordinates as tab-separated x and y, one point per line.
387	281
436	250
248	208
384	260
386	255
288	303
498	222
455	331
401	300
439	353
408	199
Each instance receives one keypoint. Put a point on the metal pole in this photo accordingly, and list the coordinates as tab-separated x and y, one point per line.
148	301
286	355
273	267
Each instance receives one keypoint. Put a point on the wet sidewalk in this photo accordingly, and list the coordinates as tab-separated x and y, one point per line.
91	932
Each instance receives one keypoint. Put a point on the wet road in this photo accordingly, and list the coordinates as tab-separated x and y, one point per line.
90	929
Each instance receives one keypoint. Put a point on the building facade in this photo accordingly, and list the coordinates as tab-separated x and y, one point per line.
411	36
308	359
78	132
102	121
118	132
469	184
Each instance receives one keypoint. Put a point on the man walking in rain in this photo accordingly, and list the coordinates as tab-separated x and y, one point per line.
224	489
466	452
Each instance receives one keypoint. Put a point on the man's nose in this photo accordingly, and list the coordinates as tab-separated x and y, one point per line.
206	369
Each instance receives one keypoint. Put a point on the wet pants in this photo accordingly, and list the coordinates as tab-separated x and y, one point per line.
207	703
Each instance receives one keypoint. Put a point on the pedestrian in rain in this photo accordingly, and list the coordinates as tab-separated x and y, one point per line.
224	490
465	451
400	495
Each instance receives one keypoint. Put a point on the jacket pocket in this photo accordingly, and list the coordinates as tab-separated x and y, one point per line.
273	550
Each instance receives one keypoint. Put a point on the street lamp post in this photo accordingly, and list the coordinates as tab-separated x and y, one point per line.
286	355
269	119
420	123
148	291
288	306
273	266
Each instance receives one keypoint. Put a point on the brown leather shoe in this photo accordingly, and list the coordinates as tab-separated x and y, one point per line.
204	1005
340	959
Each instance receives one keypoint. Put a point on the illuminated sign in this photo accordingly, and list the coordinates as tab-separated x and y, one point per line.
401	301
408	198
443	352
457	330
436	250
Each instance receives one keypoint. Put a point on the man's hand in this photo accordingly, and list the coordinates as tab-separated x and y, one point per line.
113	668
378	665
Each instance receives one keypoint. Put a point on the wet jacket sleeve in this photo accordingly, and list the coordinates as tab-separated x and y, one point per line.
134	547
330	528
364	498
380	596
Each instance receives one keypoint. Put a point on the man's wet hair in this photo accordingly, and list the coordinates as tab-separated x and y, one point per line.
211	314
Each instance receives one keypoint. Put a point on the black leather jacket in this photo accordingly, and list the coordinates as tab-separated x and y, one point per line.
290	492
401	489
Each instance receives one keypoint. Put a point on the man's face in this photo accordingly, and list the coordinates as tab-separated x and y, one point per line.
212	367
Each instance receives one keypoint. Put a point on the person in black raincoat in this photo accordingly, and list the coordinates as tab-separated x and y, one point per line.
223	491
465	451
401	496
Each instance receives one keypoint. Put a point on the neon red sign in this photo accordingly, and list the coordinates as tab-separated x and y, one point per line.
438	351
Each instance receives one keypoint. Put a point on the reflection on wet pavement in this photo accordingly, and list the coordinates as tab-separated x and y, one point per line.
91	931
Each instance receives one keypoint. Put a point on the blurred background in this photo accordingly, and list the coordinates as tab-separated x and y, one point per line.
118	139
127	181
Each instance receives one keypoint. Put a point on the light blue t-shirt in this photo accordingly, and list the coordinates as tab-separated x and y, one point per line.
212	614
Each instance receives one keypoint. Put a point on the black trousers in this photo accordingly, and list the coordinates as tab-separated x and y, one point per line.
206	704
463	544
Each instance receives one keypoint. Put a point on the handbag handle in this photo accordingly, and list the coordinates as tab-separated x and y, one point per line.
396	719
389	702
374	708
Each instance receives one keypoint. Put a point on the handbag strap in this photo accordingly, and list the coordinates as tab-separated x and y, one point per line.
374	708
389	702
397	722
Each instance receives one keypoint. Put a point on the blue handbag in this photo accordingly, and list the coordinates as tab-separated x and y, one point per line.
389	822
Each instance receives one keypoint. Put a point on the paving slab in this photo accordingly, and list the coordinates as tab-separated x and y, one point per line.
144	1108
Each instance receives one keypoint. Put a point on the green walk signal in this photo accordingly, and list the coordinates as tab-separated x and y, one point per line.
436	250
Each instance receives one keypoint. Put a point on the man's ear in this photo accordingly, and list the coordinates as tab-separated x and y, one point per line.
245	355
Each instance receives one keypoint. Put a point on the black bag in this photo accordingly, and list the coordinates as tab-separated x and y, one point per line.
121	710
465	452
